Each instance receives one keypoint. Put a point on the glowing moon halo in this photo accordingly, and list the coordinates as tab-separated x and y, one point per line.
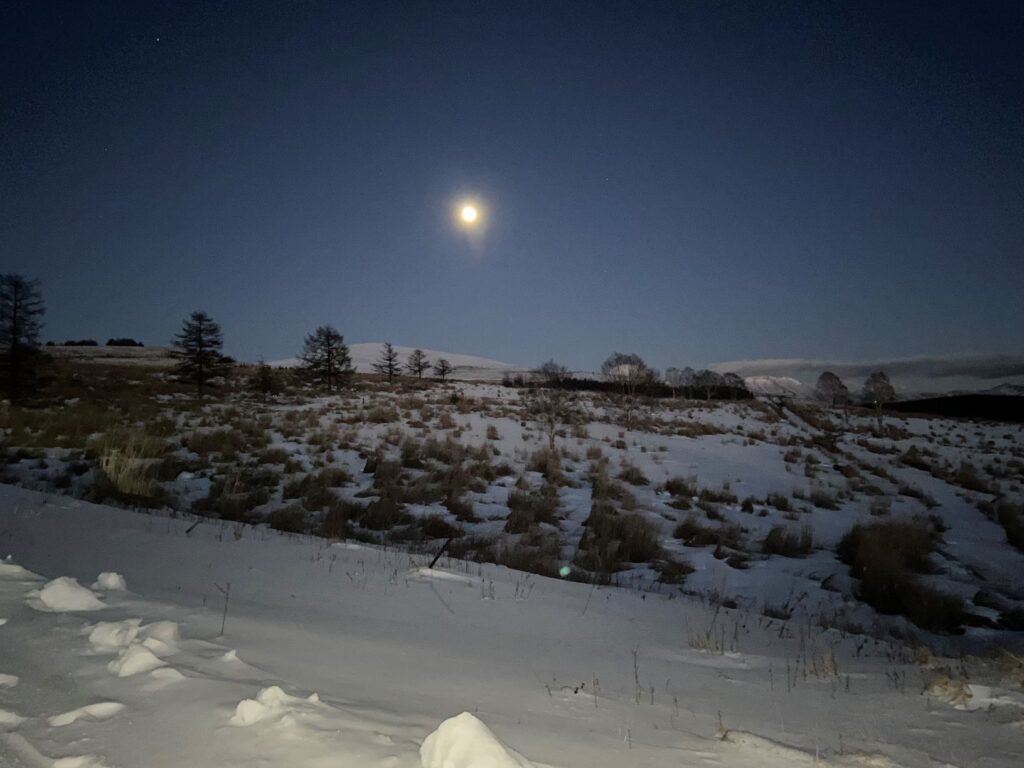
469	214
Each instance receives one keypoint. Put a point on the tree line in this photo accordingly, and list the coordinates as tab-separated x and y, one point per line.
326	360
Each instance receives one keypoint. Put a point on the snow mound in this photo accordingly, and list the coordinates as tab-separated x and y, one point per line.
9	570
108	581
438	574
102	710
270	704
8	681
134	660
464	741
164	631
9	719
64	594
79	761
113	636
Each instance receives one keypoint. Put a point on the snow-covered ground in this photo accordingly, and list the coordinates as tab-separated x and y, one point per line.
344	654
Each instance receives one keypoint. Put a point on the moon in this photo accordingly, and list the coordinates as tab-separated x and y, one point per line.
469	214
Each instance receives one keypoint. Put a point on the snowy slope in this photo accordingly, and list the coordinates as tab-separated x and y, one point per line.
465	366
351	655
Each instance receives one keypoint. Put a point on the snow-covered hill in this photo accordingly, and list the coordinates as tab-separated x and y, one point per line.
468	367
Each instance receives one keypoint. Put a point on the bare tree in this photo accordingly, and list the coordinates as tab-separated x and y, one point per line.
708	381
552	407
551	373
198	348
325	357
831	390
442	368
735	384
878	390
679	378
387	364
21	307
629	371
417	364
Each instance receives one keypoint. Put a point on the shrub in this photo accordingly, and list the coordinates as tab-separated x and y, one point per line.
1011	517
682	486
381	415
537	551
779	501
228	443
887	556
436	527
492	432
128	462
788	542
611	540
546	461
693	533
274	456
632	474
232	497
337	522
384	513
290	519
530	508
671	570
824	499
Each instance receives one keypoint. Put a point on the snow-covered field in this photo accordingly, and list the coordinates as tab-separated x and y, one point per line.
353	655
687	603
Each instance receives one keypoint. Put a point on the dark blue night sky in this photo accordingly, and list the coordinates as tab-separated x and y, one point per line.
693	182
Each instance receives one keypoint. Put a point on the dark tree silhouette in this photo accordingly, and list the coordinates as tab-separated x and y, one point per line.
878	390
551	373
198	349
265	380
387	364
417	364
629	371
442	368
21	307
831	390
325	357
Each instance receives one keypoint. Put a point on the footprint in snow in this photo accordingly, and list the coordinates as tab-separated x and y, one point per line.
102	710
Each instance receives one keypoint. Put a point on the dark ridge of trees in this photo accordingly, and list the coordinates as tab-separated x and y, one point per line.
990	407
124	342
80	343
723	391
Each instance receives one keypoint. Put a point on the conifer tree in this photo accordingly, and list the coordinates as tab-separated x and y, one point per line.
325	357
21	307
387	364
417	363
198	348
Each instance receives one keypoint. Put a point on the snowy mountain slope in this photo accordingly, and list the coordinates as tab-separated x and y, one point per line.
347	654
778	385
364	355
